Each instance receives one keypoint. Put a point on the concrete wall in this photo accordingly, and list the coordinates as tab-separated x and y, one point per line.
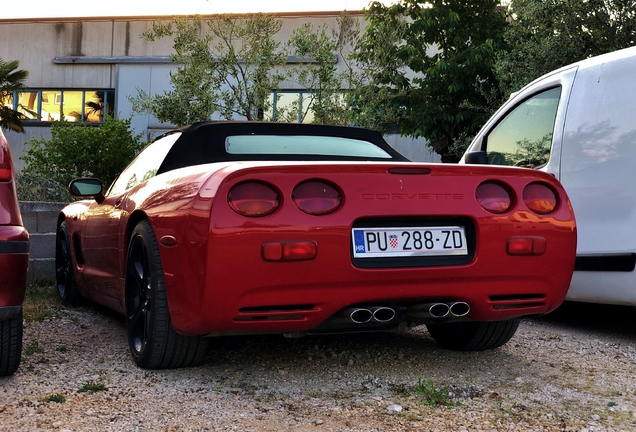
40	220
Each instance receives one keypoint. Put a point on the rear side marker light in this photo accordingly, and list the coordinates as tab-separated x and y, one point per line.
253	199
6	164
493	197
526	245
539	198
316	197
285	250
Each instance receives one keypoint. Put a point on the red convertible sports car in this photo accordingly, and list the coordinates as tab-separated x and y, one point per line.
229	228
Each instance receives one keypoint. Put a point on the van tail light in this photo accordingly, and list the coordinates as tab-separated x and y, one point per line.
316	197
253	199
539	198
6	164
493	197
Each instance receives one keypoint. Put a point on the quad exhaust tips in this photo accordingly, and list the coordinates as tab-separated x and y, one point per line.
391	317
386	314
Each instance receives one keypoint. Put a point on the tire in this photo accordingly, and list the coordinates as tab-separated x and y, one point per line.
10	344
473	336
153	342
64	272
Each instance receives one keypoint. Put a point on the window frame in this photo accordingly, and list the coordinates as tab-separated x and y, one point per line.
42	93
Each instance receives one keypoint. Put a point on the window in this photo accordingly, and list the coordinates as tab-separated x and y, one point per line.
524	136
47	105
145	165
292	106
302	145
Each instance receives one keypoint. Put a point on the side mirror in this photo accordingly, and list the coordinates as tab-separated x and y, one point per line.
87	188
476	158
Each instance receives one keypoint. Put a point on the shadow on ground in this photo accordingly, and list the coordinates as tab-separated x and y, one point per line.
595	318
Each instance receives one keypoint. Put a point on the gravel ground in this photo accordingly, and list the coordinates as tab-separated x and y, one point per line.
570	371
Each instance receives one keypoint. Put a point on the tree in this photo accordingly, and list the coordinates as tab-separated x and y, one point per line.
11	80
546	35
439	68
381	96
229	69
328	91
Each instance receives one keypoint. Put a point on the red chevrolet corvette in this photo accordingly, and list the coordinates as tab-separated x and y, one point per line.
228	228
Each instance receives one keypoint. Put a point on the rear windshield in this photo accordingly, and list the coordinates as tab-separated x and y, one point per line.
302	145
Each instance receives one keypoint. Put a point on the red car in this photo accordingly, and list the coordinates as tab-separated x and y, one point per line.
14	261
228	228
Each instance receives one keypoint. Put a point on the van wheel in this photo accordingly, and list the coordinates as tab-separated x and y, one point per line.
64	272
10	344
153	342
473	336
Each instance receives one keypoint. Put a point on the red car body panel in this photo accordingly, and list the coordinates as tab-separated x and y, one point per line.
218	281
14	238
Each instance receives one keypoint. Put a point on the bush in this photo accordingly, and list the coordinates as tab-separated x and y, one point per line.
42	189
77	150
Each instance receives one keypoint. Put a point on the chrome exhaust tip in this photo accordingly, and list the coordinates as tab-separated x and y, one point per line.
360	315
439	310
459	309
383	314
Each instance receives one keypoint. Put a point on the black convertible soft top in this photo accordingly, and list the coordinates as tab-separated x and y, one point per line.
204	142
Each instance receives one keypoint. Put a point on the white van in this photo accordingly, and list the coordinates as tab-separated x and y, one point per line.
578	123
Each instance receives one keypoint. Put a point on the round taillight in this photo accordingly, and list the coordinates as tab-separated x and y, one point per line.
493	197
316	197
253	199
539	198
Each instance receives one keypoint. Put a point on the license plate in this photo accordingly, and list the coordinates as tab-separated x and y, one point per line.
406	242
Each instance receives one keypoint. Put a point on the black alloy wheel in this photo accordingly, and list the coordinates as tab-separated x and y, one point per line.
153	342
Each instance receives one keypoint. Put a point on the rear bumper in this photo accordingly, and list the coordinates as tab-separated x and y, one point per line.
250	295
14	261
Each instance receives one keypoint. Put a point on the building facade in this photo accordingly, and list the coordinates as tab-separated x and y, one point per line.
83	68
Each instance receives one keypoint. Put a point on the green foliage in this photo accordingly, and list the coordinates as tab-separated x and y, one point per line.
549	34
55	397
382	94
431	394
62	348
92	386
439	67
77	150
11	80
32	348
227	65
328	95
